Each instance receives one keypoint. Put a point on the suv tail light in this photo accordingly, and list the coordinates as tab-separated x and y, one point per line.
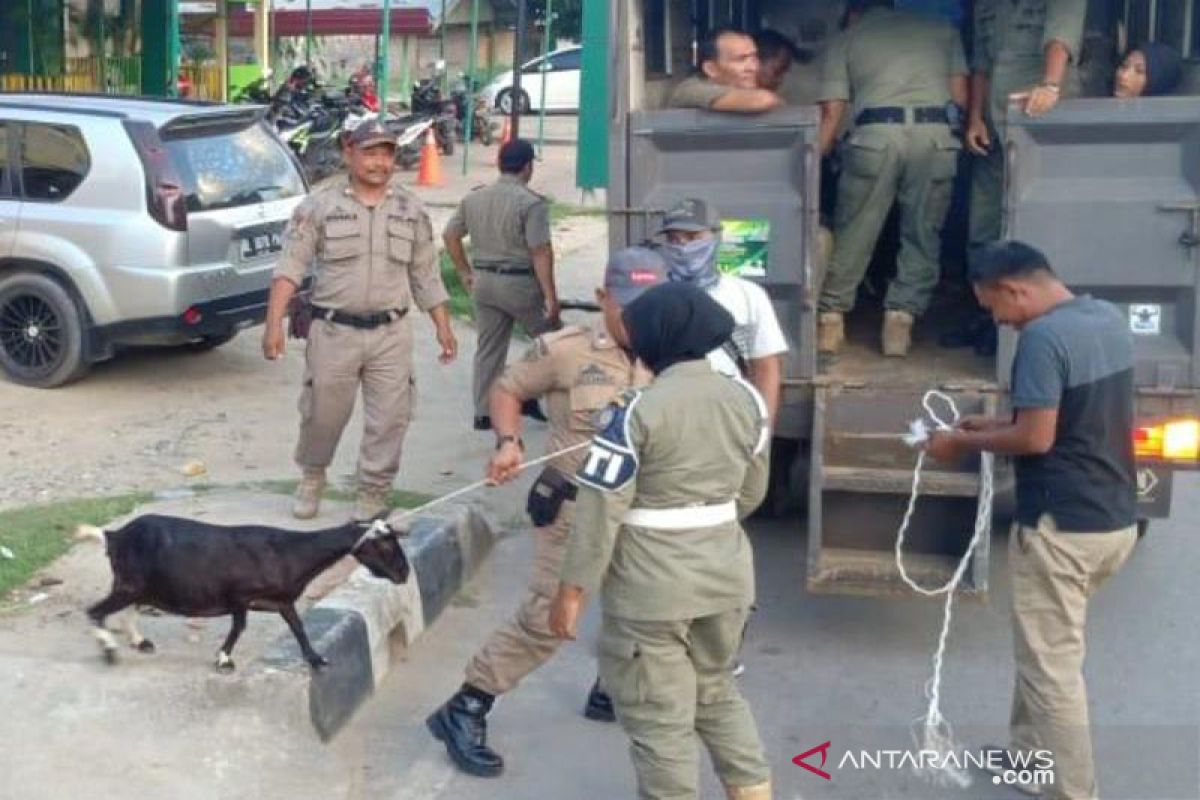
165	196
1176	440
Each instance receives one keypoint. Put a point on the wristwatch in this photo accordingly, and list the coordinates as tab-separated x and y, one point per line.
503	439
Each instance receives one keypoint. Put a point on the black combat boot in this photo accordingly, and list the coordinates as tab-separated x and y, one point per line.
599	705
462	725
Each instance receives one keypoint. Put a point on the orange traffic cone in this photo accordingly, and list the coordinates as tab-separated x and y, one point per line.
429	173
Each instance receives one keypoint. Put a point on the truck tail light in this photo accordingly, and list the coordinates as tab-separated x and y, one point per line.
165	198
1172	440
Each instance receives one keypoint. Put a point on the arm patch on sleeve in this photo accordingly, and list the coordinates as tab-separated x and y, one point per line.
612	462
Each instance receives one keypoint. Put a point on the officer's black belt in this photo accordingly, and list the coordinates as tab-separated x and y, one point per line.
500	269
898	115
364	321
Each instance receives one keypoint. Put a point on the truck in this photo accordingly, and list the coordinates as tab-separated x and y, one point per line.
1108	189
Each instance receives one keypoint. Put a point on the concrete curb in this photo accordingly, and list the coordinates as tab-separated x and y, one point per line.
353	627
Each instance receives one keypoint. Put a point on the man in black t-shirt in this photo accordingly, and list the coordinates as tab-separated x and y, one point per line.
1071	436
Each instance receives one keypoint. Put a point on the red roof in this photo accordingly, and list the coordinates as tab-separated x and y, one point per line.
337	22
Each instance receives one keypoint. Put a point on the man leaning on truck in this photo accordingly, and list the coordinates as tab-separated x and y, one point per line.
1071	436
727	79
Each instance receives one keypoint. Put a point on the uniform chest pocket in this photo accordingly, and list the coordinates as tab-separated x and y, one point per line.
401	238
343	240
587	401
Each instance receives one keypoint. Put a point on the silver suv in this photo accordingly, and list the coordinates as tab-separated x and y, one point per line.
130	221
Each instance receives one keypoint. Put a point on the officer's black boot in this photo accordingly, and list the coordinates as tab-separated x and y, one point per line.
531	409
599	705
462	725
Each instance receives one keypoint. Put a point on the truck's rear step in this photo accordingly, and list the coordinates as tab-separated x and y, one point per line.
860	482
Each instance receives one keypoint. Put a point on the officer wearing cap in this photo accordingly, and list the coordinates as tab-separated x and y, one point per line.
898	71
578	371
692	229
673	469
368	245
511	272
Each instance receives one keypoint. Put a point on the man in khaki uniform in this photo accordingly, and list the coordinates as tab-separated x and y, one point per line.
511	272
657	532
578	370
727	79
1025	48
898	71
369	246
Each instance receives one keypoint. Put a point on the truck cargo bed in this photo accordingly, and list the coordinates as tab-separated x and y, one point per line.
927	366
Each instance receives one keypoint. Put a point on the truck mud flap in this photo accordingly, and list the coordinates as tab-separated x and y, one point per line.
860	482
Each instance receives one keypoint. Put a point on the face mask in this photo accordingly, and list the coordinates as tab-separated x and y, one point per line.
693	262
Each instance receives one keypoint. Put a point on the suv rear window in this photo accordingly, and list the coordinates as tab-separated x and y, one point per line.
230	168
54	161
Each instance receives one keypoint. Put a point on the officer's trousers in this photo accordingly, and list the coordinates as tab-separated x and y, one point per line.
671	682
987	196
913	165
501	300
339	359
1053	575
525	642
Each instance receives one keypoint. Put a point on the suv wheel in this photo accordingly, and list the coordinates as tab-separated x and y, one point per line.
41	333
505	102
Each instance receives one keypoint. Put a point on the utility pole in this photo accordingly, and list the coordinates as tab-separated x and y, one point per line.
515	92
385	44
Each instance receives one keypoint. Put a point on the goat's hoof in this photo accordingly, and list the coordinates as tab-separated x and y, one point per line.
224	664
145	646
317	662
110	655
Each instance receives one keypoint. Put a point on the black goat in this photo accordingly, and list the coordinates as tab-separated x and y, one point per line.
198	569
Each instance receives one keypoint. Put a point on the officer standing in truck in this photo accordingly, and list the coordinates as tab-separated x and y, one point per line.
902	74
1023	48
369	245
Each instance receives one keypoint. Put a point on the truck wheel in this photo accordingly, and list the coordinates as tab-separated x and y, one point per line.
41	332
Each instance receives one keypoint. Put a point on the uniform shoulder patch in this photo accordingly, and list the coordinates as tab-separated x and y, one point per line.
612	462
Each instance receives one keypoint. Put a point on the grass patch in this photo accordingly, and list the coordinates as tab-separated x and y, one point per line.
562	211
36	535
460	299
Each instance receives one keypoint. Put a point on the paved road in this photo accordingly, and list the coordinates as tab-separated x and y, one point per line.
823	668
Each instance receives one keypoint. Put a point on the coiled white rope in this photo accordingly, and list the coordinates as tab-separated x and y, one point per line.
411	512
933	731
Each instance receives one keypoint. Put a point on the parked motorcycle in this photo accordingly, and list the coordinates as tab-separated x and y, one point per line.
426	100
481	122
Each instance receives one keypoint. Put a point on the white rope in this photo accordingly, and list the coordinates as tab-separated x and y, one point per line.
487	481
933	731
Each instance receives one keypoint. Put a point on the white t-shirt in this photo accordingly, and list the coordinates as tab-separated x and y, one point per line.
756	329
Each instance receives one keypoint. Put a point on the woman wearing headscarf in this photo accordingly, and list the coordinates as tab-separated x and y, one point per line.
674	469
1148	70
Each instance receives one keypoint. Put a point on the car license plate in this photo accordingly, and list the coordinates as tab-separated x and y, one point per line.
260	243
